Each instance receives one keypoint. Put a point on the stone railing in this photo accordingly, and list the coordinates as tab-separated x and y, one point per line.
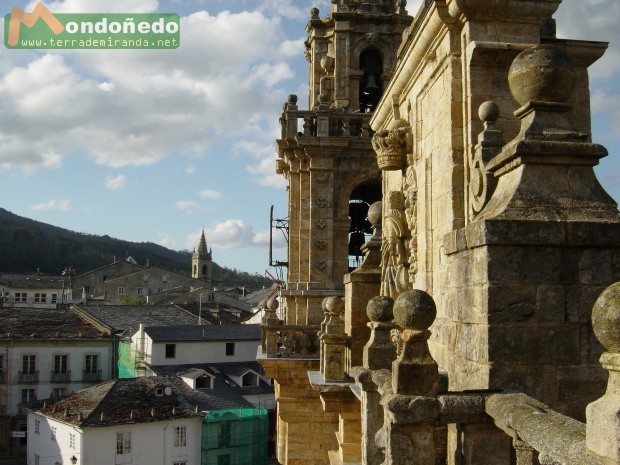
287	341
407	409
322	122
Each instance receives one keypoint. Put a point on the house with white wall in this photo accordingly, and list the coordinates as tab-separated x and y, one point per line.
46	353
193	344
34	290
137	421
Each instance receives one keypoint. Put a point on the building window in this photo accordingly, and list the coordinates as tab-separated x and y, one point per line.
91	364
204	382
211	298
223	435
230	349
180	438
71	440
171	350
249	379
87	289
53	433
164	278
60	364
40	298
37	427
123	443
140	291
179	463
21	297
120	291
28	364
28	395
54	298
59	392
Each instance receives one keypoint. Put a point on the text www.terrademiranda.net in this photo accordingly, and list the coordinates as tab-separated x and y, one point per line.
108	42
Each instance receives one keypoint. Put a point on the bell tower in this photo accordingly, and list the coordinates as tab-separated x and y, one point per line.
325	152
202	261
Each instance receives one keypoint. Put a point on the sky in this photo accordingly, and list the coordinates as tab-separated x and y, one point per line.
155	145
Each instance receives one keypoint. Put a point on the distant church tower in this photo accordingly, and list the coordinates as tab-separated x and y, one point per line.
202	260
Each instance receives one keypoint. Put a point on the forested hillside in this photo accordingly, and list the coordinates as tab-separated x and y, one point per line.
27	246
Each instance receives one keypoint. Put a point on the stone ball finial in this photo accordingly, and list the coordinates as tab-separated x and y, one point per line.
488	112
606	318
543	73
334	304
292	98
375	214
314	12
380	309
273	304
328	63
414	309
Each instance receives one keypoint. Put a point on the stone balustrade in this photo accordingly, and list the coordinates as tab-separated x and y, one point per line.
323	121
417	408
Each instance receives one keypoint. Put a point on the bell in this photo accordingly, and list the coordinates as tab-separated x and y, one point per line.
371	84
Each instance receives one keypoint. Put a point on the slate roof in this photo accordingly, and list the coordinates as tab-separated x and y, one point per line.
126	319
225	394
46	324
118	402
35	281
204	333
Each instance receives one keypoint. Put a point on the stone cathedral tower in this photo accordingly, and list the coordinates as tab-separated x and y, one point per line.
202	260
325	152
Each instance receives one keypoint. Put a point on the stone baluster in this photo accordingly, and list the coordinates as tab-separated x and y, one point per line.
334	342
291	121
603	423
271	321
346	127
411	412
524	454
308	124
379	353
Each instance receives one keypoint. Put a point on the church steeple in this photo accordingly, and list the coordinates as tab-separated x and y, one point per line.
202	260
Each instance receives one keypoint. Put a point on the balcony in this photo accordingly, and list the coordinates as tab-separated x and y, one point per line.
28	378
91	377
60	377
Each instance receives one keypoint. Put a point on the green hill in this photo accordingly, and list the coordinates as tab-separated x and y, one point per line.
27	246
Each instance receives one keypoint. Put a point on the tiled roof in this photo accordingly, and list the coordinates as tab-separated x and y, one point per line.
225	393
35	323
121	401
204	332
127	318
35	281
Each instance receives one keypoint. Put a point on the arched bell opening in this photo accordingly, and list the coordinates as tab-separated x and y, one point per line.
371	85
360	229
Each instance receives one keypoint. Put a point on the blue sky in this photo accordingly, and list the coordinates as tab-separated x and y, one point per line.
154	145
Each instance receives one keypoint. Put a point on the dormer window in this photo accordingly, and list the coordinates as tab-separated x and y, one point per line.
249	379
204	382
159	391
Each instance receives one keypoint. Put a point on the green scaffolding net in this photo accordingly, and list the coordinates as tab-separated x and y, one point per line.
235	437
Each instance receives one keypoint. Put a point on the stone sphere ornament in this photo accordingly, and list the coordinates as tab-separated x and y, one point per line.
606	318
414	309
379	308
541	74
375	211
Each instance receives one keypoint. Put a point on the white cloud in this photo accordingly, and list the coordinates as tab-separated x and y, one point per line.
116	182
134	107
264	168
187	207
98	6
167	241
60	205
233	233
210	194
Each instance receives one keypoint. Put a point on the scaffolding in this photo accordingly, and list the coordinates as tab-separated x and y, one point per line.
235	437
131	362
